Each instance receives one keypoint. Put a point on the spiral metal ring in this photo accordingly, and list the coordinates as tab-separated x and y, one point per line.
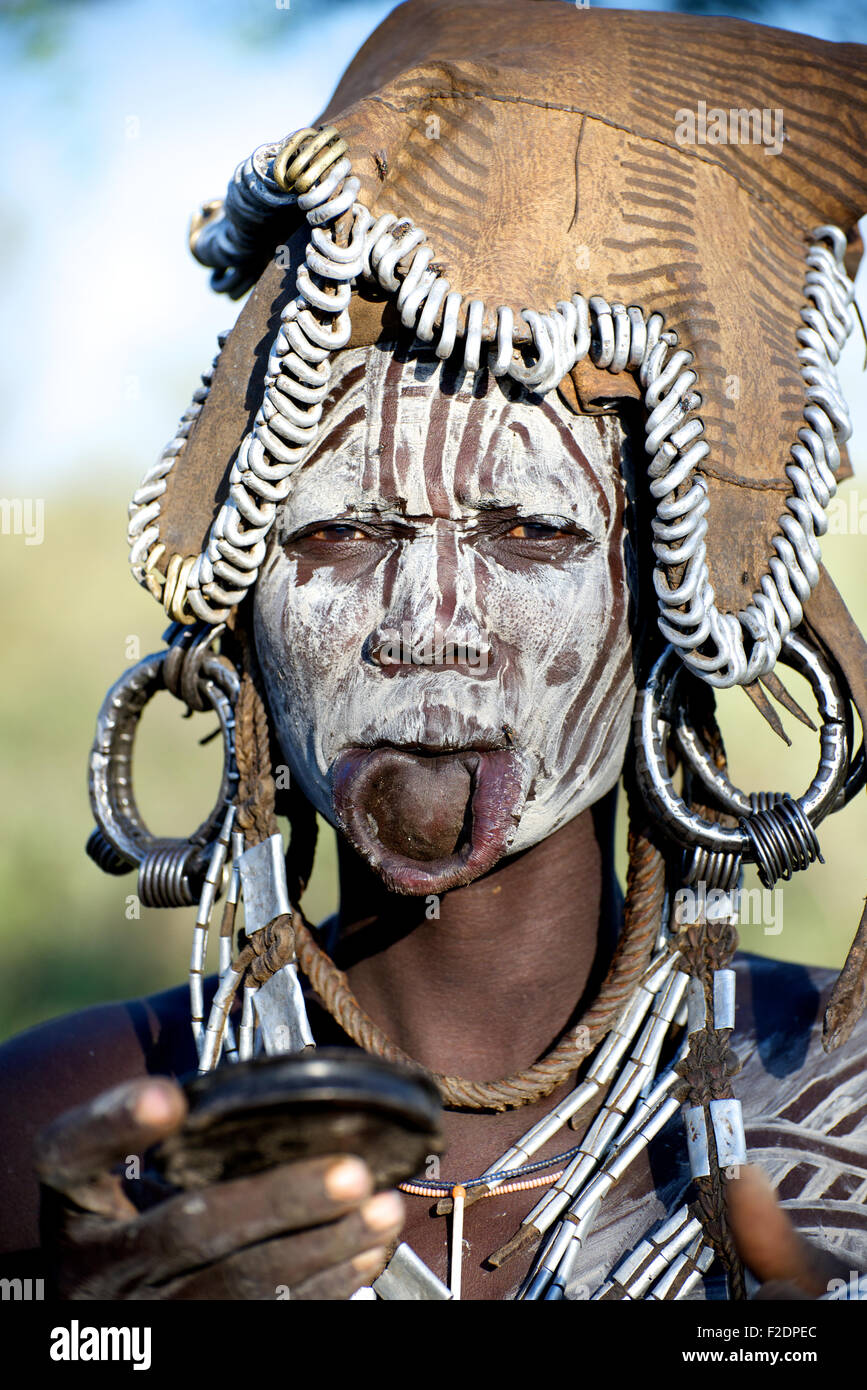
835	744
105	856
781	833
169	869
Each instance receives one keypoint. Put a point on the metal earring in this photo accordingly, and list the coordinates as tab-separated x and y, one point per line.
774	831
171	872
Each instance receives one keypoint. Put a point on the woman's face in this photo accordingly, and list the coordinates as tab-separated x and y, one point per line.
442	618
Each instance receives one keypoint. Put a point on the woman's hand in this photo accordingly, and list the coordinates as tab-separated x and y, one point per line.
306	1230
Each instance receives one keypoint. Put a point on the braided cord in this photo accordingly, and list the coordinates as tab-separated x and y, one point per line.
708	946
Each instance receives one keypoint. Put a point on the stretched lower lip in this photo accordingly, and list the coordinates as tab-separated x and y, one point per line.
496	793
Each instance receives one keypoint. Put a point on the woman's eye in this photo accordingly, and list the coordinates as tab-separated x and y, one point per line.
337	533
536	531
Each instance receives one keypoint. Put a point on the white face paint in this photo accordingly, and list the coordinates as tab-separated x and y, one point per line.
448	573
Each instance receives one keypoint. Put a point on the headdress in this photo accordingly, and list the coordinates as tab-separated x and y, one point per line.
583	201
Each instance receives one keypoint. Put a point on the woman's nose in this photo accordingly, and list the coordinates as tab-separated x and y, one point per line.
434	646
433	618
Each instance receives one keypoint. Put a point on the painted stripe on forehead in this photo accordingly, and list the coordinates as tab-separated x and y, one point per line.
437	449
574	450
468	437
343	410
382	394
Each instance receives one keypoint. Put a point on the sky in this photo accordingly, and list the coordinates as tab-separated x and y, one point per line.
119	117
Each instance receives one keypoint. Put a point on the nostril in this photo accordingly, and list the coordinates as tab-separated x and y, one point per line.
407	647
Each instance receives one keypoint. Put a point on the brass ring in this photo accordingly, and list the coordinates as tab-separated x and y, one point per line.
288	152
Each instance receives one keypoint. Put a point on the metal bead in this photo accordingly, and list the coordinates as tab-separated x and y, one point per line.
728	1127
406	1277
264	893
676	1222
724	999
696	1142
697	1004
626	1156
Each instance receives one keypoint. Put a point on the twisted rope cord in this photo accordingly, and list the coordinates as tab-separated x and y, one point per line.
707	1069
256	790
266	951
645	890
645	887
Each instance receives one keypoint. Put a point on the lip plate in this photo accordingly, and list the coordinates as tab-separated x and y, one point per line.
495	801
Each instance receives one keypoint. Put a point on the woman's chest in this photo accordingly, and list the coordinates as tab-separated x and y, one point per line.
641	1199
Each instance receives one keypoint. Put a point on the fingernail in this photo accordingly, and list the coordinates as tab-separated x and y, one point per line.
370	1261
382	1211
156	1106
347	1180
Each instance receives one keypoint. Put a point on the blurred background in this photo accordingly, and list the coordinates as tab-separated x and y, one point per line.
119	117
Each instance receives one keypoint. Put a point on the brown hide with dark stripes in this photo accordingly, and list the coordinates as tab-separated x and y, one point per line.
556	169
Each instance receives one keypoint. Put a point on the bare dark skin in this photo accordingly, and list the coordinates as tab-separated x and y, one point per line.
315	1227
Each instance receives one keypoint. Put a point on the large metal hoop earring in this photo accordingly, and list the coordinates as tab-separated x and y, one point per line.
171	871
776	832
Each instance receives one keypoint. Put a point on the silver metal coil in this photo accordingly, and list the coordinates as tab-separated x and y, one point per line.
170	863
172	876
778	840
711	868
538	351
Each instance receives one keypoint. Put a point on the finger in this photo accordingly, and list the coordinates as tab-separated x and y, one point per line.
285	1266
197	1228
344	1280
74	1155
768	1242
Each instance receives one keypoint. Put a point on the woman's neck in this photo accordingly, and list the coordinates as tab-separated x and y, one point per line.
481	981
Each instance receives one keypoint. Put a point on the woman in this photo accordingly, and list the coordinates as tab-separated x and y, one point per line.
428	543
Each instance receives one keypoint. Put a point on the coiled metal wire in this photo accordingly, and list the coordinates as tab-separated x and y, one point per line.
710	867
782	839
171	876
775	832
313	170
105	856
